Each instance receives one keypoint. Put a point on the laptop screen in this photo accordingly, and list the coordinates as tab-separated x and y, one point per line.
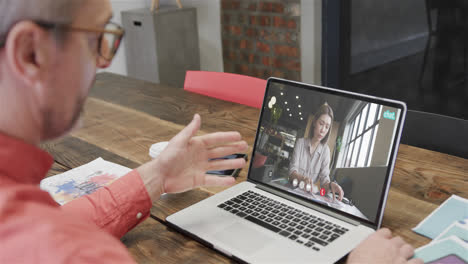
314	141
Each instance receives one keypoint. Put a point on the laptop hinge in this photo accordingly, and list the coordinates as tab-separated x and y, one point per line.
309	205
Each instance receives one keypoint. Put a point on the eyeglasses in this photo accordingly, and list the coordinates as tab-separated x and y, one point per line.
109	40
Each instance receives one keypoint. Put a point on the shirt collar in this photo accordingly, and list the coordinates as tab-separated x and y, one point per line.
319	147
21	162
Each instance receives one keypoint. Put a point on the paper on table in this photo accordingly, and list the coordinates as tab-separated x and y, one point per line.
451	250
458	229
453	209
82	180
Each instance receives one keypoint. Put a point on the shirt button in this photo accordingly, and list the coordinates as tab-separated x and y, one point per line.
139	215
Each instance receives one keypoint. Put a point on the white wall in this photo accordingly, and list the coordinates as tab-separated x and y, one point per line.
209	30
311	41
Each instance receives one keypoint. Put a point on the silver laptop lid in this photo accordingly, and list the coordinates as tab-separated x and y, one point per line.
309	136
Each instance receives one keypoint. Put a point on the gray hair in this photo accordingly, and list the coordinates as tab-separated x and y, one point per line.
53	11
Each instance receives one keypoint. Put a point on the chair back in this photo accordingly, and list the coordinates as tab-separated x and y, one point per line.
231	87
436	132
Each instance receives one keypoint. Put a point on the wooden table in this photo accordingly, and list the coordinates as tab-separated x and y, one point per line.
123	117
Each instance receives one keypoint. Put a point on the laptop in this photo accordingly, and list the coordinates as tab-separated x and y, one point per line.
285	212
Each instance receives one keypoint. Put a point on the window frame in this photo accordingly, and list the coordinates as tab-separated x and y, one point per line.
351	138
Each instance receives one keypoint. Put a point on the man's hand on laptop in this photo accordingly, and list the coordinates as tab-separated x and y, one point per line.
183	163
380	247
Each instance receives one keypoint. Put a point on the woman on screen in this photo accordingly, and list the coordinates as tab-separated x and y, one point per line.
310	162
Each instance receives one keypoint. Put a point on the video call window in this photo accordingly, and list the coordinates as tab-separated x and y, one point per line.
309	140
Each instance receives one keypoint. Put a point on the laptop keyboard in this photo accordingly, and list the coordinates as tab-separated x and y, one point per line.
304	228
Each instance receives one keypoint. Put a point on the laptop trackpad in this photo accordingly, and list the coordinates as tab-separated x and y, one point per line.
243	238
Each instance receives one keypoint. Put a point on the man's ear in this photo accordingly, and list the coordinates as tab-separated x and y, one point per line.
28	50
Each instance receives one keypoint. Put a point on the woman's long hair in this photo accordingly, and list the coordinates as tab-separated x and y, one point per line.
325	109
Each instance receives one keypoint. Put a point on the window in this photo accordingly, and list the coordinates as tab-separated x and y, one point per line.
361	133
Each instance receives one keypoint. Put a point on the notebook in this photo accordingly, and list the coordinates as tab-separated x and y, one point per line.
317	182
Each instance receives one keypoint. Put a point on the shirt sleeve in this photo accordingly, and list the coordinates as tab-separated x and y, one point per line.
294	162
116	208
324	174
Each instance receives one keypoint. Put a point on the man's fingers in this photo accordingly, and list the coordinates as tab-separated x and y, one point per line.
190	130
220	138
398	241
384	232
415	261
226	164
211	180
407	251
222	151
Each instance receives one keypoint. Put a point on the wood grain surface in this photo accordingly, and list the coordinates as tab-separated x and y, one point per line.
123	117
72	152
428	175
56	169
153	242
176	105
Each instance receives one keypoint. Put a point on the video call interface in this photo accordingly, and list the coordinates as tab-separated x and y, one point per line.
314	144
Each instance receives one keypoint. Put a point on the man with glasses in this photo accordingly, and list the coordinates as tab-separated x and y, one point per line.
49	53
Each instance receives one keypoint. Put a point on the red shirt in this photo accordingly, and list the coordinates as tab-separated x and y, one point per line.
35	229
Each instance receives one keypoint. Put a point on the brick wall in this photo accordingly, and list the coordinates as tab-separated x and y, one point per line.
261	38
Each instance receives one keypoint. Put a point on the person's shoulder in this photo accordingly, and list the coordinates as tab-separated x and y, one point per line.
304	141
